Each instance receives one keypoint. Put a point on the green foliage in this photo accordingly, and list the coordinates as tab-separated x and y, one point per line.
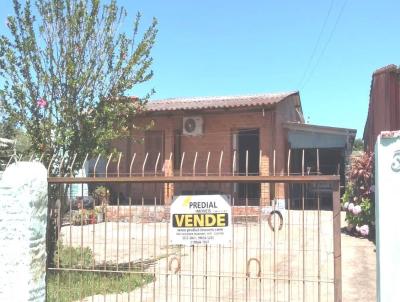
101	195
66	286
71	257
81	217
65	73
358	145
7	127
22	144
358	199
73	286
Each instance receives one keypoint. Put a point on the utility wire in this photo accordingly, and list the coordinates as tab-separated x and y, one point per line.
316	44
326	44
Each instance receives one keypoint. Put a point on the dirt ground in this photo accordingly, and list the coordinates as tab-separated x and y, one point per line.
282	266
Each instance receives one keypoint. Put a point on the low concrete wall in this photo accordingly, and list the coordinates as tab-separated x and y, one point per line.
23	218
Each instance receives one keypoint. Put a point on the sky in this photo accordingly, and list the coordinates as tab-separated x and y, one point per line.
327	50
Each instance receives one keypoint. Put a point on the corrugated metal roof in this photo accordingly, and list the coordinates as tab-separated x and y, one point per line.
319	128
217	102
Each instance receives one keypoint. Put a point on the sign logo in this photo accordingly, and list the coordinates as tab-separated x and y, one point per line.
186	201
396	161
201	219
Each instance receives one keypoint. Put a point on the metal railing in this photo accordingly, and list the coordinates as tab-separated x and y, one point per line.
125	238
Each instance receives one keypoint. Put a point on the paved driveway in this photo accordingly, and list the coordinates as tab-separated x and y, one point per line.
359	269
207	271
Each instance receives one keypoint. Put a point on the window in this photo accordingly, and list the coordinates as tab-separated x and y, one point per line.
177	149
154	145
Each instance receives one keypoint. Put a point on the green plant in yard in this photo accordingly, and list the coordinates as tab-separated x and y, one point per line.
71	257
85	216
74	286
79	217
358	145
66	67
358	199
65	285
101	194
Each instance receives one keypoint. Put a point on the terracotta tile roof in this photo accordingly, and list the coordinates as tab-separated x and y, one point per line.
217	102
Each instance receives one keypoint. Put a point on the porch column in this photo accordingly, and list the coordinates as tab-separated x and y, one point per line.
168	164
265	146
265	187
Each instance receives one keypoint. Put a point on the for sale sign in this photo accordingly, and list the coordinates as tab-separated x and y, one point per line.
201	219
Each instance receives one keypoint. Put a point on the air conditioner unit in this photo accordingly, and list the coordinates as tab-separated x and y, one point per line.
193	125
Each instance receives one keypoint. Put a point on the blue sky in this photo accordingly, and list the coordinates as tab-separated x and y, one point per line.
207	48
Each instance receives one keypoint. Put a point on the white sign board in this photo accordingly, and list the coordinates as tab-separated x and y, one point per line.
201	219
387	198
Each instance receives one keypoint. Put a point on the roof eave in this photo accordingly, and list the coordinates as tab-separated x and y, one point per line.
320	129
211	110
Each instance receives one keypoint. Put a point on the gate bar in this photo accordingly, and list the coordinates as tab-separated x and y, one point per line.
337	255
211	178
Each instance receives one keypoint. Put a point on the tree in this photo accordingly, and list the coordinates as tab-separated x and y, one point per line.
65	72
7	127
9	131
358	145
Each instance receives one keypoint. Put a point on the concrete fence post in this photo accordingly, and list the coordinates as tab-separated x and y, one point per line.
387	198
23	219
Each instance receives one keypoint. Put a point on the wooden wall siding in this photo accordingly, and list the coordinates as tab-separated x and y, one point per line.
384	105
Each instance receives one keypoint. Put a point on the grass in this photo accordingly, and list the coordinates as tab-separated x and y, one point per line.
64	285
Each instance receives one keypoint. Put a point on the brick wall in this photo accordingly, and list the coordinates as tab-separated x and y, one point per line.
217	136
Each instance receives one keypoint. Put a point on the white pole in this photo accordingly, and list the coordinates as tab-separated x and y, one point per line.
387	209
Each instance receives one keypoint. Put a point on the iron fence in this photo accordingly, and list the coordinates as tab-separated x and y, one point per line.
113	243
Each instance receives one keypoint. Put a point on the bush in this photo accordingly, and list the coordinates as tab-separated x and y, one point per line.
358	199
83	217
101	194
71	257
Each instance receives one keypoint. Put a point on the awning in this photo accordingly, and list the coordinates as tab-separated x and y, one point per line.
305	136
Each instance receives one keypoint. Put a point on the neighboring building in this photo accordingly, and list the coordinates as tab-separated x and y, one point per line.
384	104
263	125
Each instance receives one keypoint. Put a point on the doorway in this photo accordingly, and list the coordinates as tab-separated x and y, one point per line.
248	140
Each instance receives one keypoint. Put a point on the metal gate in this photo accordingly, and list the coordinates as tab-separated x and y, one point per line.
116	247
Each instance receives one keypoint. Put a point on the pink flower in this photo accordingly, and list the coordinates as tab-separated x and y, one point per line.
42	103
350	207
357	210
363	230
